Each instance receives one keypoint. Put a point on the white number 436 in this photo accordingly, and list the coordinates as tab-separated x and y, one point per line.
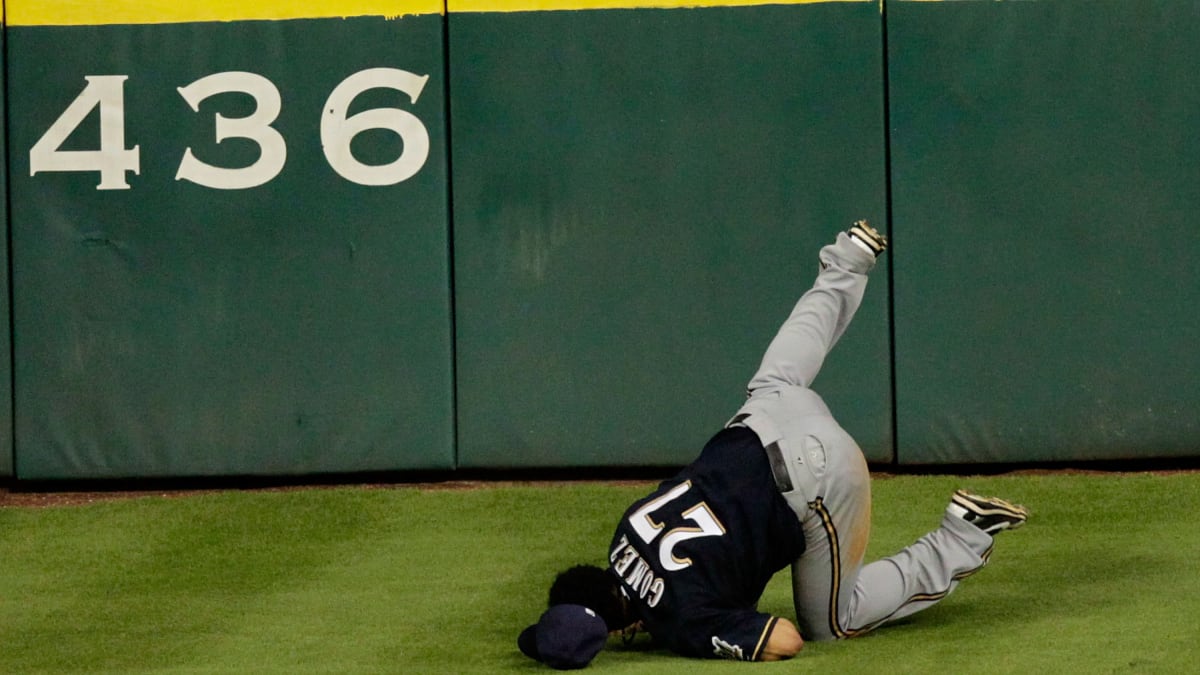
112	160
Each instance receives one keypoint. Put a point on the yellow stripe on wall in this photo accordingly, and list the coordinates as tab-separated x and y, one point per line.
103	12
539	5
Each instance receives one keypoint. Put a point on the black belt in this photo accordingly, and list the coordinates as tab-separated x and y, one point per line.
783	481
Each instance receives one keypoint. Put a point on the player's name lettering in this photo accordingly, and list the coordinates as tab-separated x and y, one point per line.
636	573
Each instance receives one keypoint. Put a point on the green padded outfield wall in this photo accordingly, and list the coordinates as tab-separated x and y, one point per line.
1046	186
276	302
639	195
6	442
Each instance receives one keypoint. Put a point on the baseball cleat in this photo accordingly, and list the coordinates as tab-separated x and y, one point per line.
868	238
990	514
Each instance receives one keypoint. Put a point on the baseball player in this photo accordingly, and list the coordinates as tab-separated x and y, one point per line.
781	484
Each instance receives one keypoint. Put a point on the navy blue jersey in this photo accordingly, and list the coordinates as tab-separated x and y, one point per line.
695	555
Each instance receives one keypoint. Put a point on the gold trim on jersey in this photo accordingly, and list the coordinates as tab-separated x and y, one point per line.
762	639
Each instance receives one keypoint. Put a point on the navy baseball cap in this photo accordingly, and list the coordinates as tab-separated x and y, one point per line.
566	637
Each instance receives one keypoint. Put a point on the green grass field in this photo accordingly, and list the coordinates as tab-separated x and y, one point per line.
1103	579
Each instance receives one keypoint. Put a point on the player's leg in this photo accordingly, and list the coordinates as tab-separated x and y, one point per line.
913	579
927	571
822	314
837	525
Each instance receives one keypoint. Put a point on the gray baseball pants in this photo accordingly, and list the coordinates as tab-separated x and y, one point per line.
823	475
